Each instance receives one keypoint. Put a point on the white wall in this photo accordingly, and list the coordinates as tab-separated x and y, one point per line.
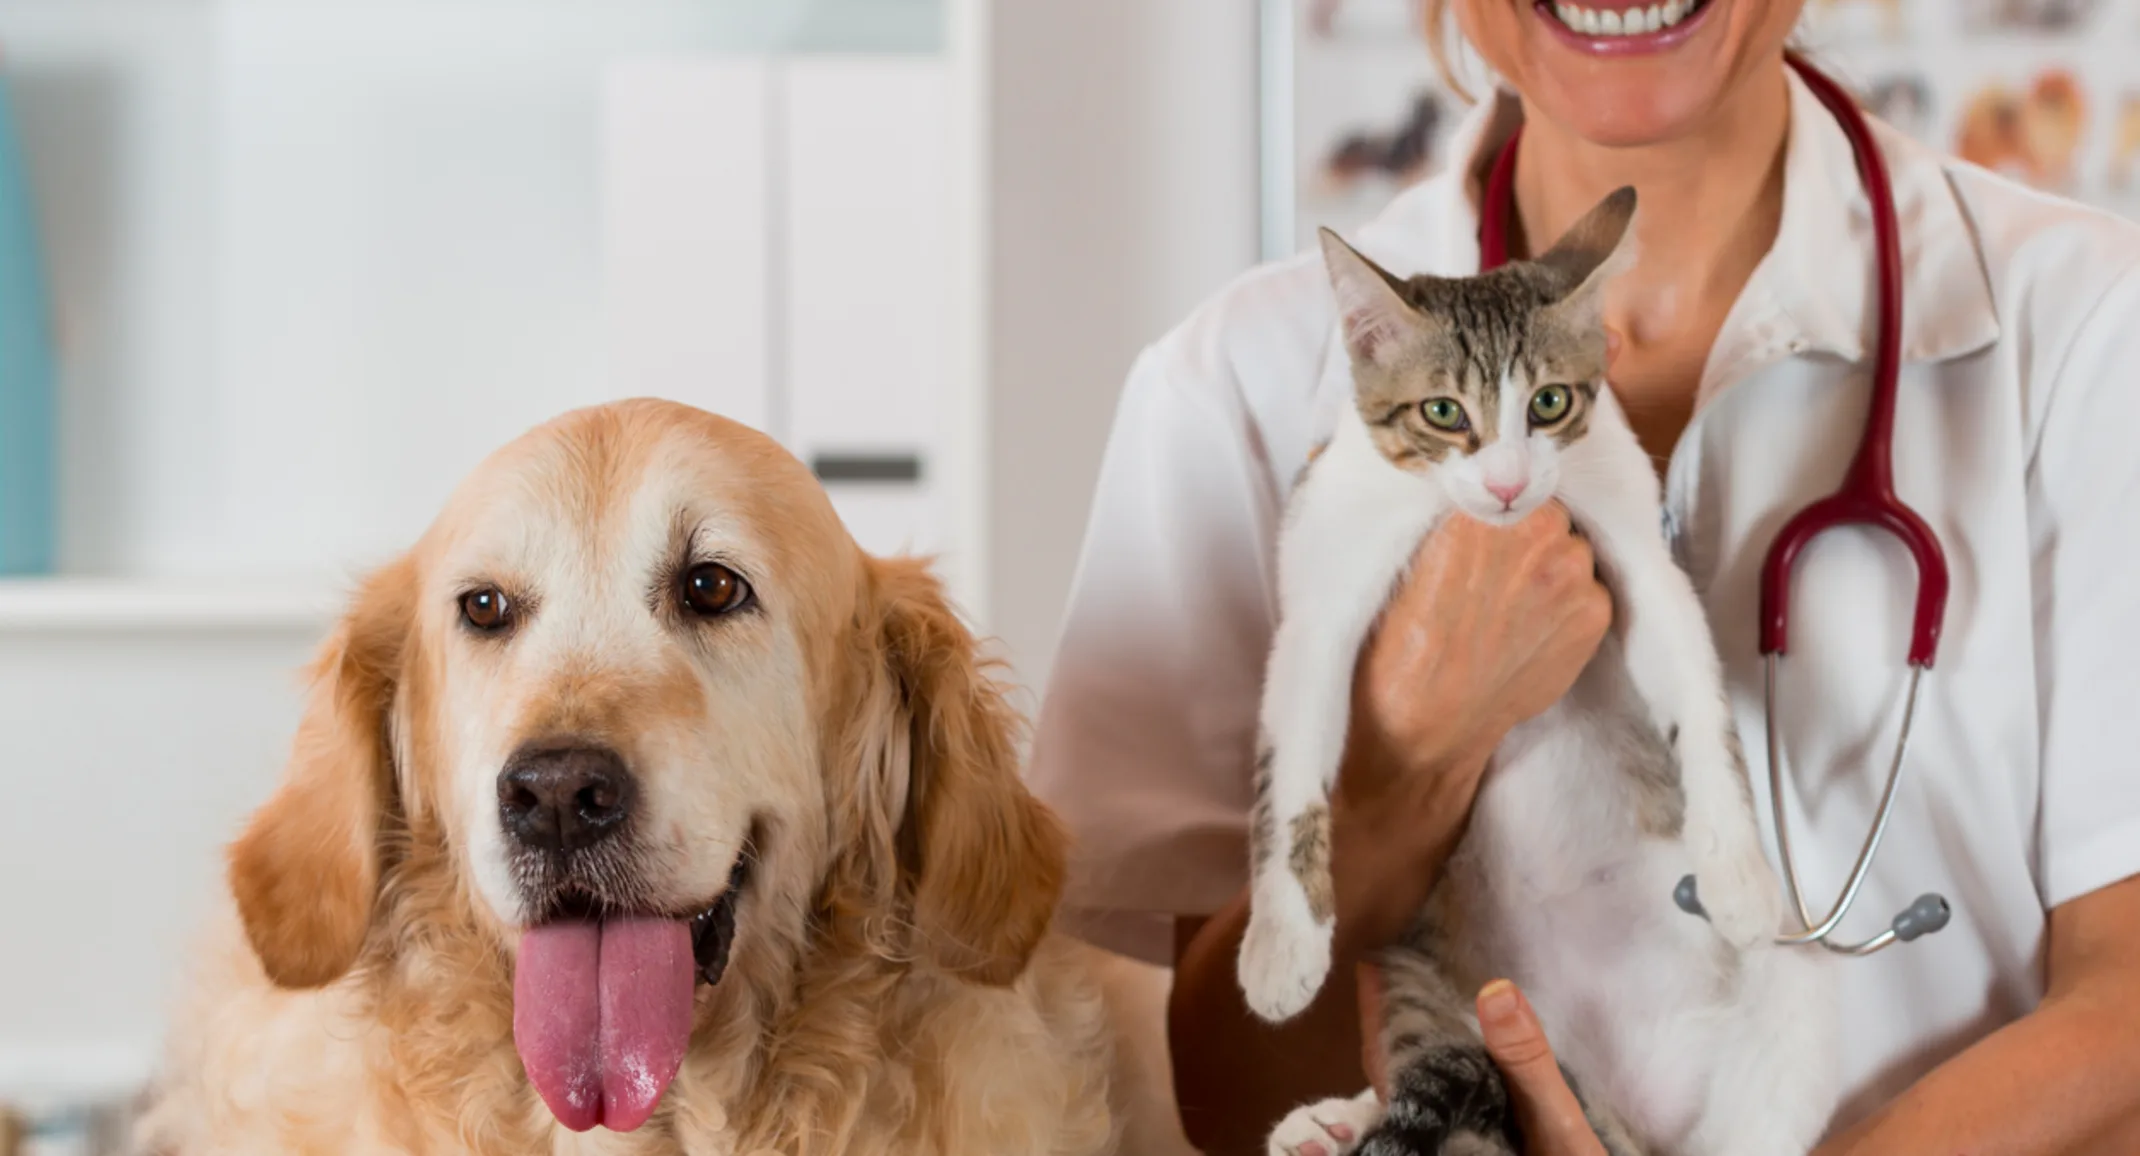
129	758
292	242
1122	175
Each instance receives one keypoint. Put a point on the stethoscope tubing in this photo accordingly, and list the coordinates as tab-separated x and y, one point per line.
1867	496
1821	932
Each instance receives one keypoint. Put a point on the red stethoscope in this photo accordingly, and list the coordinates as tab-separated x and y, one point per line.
1866	497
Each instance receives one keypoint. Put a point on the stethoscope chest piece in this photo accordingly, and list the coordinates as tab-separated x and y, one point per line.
1925	914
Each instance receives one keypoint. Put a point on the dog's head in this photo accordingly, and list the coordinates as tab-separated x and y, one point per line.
641	697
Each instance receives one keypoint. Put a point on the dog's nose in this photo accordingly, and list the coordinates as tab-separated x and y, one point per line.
564	798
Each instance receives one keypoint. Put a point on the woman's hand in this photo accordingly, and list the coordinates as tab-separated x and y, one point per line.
1492	626
1546	1108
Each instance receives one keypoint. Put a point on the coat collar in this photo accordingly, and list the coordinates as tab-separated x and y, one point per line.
1820	272
1811	294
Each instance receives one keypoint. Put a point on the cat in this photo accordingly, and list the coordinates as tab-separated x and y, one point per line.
1684	1026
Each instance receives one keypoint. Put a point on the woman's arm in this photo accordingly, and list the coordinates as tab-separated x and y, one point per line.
2064	1078
1235	1075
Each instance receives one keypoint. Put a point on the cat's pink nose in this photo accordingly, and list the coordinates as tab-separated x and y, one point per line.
1508	492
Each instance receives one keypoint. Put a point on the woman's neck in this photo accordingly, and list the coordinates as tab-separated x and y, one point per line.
1708	209
1709	204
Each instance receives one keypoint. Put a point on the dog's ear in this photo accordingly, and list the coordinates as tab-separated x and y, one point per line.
983	858
306	871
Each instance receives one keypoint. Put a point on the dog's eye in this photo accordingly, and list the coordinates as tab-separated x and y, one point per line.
486	609
713	589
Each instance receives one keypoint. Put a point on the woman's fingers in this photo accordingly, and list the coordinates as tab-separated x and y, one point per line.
1546	1107
1371	1057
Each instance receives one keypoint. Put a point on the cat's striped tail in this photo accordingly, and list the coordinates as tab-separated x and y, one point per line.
1452	1101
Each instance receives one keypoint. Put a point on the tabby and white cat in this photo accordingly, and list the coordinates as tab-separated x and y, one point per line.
1685	1031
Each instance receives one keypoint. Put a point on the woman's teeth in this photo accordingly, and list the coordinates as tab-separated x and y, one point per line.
1624	22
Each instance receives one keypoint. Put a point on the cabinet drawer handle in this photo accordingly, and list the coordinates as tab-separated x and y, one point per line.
866	467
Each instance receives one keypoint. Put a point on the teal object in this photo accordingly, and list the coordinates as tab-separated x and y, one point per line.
28	422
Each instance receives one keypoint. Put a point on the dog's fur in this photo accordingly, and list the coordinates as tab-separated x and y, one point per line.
895	987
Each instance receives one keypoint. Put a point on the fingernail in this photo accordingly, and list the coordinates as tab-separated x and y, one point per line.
1500	1003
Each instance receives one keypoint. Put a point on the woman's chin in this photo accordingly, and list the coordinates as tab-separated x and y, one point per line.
1626	111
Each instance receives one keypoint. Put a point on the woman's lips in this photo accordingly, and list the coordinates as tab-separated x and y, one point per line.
1604	27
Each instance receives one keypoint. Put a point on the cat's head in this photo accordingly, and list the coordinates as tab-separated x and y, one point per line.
1483	381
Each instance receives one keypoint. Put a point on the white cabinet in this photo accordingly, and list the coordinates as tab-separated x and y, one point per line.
866	237
685	218
777	241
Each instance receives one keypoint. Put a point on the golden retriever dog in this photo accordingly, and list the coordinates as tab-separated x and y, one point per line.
636	810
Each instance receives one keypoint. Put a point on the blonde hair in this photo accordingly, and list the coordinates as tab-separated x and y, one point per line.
1434	21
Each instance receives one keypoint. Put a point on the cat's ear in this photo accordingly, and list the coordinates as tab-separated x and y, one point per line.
1375	316
1591	253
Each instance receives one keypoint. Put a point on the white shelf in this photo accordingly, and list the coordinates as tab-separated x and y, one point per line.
109	604
34	1076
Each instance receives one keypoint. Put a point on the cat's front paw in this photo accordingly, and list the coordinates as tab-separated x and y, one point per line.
1738	893
1331	1128
1283	963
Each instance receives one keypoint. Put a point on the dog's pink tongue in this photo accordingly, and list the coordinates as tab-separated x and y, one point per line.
601	1015
647	980
557	1021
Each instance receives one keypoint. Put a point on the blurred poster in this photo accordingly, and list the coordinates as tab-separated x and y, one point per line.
2044	91
1368	116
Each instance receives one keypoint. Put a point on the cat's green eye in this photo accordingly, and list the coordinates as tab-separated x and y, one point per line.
1550	404
1442	413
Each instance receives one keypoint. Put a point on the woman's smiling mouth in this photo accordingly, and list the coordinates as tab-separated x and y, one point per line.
1615	29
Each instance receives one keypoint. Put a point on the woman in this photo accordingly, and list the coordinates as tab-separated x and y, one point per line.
1742	341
